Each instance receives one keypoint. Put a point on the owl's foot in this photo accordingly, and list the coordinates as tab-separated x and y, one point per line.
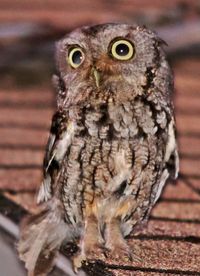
78	260
89	244
118	248
91	240
115	244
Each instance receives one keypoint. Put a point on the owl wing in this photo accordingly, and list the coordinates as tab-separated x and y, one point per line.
171	153
171	160
61	133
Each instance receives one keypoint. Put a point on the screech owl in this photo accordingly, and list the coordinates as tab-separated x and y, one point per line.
111	147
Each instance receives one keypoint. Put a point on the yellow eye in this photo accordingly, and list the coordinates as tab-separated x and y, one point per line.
75	57
122	49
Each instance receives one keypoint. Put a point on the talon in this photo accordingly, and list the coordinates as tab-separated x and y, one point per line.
105	251
77	262
130	257
136	258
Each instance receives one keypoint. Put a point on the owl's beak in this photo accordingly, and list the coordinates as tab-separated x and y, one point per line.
97	76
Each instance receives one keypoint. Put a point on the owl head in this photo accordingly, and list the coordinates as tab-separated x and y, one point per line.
109	60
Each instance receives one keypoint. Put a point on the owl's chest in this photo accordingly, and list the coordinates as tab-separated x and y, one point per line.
108	122
126	120
113	151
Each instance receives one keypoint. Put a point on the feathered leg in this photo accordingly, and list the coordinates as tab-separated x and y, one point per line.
89	243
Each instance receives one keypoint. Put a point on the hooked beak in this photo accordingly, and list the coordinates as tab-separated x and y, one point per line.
97	76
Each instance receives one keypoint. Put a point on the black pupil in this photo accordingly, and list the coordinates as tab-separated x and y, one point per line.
77	57
122	49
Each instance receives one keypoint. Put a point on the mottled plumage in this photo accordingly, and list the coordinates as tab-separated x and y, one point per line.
112	143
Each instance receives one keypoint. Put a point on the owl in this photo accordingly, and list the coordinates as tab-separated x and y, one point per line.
111	146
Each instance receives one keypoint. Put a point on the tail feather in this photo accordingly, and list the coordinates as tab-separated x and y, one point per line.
41	239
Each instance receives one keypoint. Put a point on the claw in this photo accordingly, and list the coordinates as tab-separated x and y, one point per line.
130	256
105	251
77	261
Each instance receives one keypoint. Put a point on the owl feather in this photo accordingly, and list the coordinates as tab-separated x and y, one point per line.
61	133
112	144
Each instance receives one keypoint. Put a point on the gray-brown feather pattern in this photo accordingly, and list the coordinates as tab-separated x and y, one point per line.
111	147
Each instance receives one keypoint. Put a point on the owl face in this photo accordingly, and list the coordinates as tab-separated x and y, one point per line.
106	59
